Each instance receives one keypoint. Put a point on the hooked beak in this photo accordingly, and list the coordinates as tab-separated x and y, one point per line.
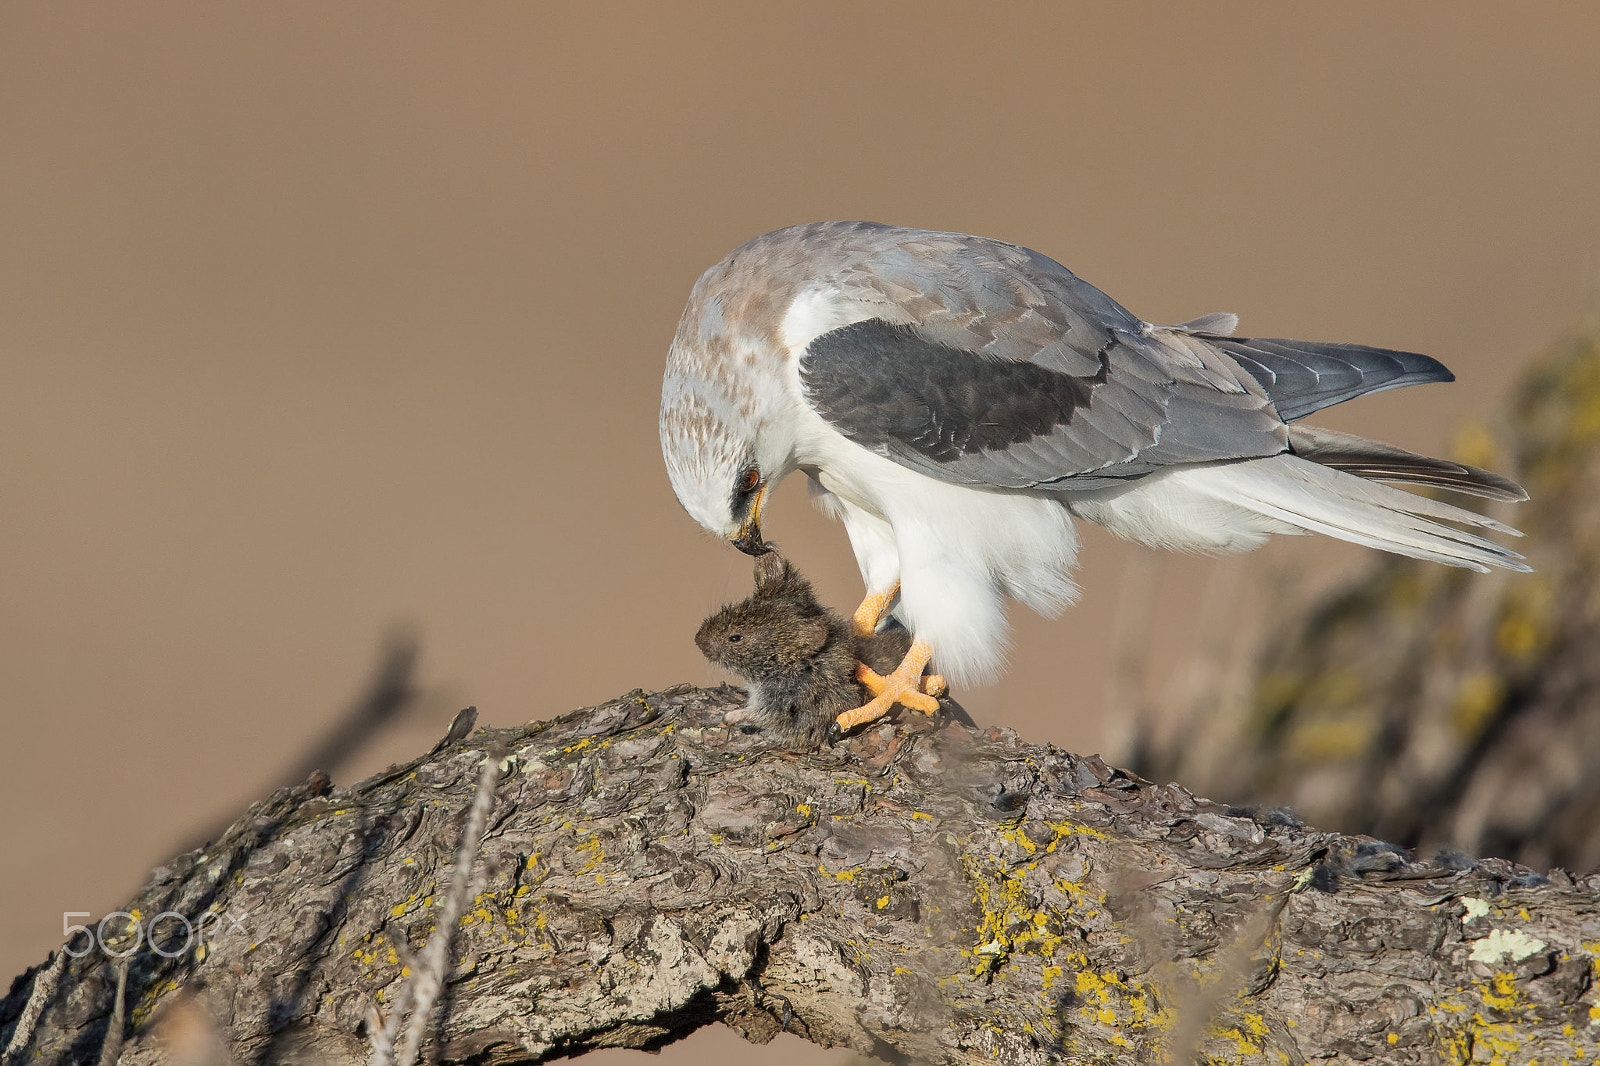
748	539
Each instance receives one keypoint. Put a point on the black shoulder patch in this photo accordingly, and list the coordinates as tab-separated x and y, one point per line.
880	383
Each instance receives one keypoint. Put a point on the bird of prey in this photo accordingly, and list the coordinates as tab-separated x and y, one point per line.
957	401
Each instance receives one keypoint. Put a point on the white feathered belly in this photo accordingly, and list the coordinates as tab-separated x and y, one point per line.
957	552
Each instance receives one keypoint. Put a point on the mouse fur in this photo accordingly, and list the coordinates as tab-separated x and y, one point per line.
797	657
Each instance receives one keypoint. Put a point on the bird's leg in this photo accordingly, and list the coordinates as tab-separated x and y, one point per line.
870	613
865	623
902	686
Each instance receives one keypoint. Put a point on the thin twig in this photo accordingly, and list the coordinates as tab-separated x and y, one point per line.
390	692
1199	1004
44	989
409	963
429	978
111	1050
187	1033
391	1026
382	1039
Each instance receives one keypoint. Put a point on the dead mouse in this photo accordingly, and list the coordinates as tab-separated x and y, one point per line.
797	657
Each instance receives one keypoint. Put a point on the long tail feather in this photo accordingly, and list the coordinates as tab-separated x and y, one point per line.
1385	462
1327	500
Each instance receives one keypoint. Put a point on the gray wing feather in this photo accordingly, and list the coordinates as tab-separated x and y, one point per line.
1304	376
990	364
994	365
969	418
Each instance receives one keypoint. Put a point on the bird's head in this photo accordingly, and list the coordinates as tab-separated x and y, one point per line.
721	463
727	425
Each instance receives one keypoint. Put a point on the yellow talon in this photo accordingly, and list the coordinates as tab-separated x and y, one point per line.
905	686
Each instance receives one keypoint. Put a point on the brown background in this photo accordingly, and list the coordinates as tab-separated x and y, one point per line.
318	318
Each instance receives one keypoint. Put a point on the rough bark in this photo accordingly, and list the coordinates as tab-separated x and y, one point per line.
940	894
1436	707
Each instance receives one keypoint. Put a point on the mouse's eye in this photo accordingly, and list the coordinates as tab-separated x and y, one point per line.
749	481
734	638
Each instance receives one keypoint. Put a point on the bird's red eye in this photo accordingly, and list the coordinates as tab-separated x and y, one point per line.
749	480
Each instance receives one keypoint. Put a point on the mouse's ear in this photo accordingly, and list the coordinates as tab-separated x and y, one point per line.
813	635
771	569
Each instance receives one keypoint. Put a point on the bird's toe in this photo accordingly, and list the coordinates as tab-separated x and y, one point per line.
875	683
870	711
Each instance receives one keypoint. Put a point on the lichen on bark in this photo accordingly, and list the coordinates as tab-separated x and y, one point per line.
921	891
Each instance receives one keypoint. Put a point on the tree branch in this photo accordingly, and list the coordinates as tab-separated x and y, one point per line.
915	893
